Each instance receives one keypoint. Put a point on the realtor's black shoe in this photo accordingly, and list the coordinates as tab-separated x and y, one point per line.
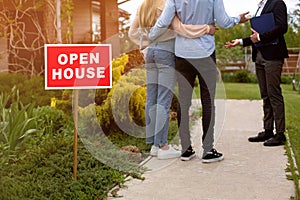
261	137
277	140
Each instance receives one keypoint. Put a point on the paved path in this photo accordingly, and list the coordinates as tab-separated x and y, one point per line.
249	171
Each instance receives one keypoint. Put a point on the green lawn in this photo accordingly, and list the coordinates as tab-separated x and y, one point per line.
234	91
240	91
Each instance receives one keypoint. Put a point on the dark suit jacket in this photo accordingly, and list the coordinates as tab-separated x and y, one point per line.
273	51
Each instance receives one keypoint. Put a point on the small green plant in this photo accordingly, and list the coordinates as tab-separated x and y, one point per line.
17	121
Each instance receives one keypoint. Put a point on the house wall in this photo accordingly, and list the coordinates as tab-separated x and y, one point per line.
47	32
109	19
29	49
3	52
24	33
49	25
110	25
82	19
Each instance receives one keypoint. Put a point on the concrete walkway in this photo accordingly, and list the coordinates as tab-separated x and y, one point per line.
249	171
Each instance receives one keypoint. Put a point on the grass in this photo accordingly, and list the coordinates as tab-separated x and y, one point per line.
234	91
292	107
240	91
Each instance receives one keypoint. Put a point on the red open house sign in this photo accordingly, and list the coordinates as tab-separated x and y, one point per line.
78	66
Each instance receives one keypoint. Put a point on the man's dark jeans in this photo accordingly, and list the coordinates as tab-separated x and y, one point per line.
187	71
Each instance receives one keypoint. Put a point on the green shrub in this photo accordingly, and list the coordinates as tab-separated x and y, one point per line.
51	120
44	168
126	100
48	170
286	79
66	106
243	76
137	106
227	77
31	89
9	80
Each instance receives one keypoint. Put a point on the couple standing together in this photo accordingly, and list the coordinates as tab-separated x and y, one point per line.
179	35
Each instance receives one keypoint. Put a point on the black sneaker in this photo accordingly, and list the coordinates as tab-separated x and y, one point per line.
212	156
188	154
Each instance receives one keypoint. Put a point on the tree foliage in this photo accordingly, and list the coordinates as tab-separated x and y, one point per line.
28	25
292	37
236	54
233	54
125	102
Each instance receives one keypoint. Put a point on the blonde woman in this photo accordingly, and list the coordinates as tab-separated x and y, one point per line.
160	67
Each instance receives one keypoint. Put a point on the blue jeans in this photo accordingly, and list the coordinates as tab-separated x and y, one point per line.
160	67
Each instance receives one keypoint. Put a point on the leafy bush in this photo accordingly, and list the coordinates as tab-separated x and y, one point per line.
51	120
125	103
66	106
137	106
227	77
286	79
31	89
127	97
243	76
43	168
46	173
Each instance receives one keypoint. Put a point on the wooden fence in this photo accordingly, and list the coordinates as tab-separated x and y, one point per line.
290	67
292	64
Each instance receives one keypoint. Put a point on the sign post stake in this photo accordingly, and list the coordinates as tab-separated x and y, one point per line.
75	133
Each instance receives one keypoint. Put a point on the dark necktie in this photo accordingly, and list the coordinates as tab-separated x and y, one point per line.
260	4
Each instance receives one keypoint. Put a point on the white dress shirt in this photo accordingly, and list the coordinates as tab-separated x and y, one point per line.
261	6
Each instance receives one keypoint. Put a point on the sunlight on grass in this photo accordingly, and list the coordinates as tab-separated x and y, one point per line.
234	91
242	91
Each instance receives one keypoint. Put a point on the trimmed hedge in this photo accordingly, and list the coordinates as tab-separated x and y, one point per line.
31	89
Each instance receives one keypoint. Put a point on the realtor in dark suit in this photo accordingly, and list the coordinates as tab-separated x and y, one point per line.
269	59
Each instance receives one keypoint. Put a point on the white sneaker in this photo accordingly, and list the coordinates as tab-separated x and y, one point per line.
168	154
154	150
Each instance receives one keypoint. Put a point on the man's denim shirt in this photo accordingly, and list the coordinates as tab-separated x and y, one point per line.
193	12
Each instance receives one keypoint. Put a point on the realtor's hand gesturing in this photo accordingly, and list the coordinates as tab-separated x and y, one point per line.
233	43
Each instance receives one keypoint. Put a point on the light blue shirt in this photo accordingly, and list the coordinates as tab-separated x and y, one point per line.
193	12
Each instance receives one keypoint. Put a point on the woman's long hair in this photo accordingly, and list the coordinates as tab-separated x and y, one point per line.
148	12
